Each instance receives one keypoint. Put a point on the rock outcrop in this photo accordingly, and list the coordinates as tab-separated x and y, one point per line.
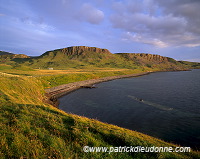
144	58
151	57
79	50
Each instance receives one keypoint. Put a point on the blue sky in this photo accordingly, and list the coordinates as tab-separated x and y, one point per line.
165	27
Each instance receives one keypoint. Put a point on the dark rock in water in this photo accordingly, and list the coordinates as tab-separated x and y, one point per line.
88	86
140	100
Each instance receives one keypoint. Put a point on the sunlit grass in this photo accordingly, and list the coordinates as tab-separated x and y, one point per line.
22	90
59	79
51	78
42	72
30	128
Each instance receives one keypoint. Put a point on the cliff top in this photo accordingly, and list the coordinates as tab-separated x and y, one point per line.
78	50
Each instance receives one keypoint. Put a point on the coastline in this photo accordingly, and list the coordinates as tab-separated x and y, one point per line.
96	104
56	92
52	94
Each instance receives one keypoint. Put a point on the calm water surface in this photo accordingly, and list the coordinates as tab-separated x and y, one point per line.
165	105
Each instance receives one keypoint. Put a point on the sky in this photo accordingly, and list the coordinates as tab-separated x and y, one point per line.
166	27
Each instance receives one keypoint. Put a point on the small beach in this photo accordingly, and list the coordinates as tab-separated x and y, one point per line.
61	90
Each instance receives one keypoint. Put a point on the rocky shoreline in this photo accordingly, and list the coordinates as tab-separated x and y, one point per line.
55	92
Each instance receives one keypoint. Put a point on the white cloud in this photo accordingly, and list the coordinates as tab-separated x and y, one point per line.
139	38
160	23
91	14
37	23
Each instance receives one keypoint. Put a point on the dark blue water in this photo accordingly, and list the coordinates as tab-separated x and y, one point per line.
165	105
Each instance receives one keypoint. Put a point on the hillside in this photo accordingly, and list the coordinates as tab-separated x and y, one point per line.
80	57
8	58
32	129
75	57
8	55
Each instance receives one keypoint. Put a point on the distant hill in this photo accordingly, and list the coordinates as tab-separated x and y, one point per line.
7	57
5	53
92	57
11	55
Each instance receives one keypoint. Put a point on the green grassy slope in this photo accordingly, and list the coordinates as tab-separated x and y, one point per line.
190	64
59	59
80	57
9	58
29	128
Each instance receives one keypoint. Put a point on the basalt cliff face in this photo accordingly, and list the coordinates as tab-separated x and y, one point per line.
151	57
143	58
79	50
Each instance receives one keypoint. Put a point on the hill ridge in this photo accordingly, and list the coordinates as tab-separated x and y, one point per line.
79	50
94	57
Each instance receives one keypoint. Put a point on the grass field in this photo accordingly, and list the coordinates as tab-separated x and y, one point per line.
41	72
30	128
51	78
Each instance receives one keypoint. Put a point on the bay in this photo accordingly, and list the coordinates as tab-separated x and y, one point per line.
165	105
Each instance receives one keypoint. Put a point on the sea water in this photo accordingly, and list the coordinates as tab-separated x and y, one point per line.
165	105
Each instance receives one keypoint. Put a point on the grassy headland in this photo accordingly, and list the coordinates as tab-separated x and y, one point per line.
31	128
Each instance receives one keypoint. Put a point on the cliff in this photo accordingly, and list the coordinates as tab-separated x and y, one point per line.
143	57
79	50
